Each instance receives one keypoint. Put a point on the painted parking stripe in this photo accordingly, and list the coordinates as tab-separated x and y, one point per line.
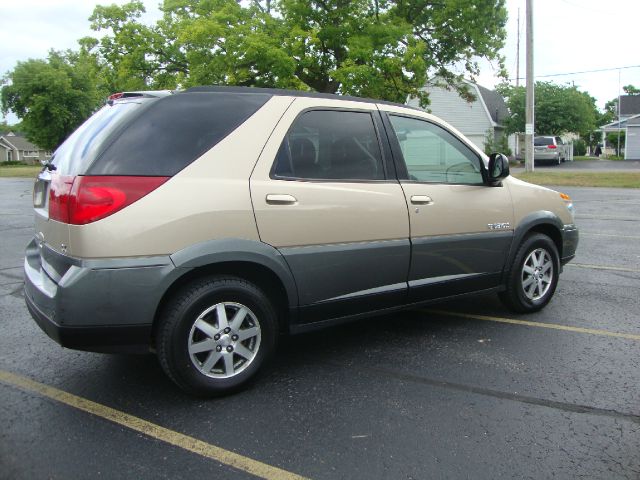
607	217
527	323
603	267
590	234
254	467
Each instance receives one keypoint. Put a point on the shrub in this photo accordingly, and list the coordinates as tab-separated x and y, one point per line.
579	147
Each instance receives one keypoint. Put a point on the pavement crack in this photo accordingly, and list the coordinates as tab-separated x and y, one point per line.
10	268
460	387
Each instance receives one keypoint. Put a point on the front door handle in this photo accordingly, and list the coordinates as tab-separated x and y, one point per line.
421	200
281	199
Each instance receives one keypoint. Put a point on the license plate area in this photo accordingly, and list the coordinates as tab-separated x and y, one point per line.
41	191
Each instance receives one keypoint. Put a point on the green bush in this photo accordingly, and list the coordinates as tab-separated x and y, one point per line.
579	147
13	162
491	146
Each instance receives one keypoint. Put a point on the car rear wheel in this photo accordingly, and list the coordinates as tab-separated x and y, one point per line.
533	278
215	335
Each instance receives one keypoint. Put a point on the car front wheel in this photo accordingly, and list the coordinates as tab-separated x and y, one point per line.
215	335
533	278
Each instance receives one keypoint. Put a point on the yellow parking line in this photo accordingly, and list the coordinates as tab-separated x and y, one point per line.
591	234
254	467
553	326
603	267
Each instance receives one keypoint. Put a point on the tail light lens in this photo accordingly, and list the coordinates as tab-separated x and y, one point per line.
82	200
551	146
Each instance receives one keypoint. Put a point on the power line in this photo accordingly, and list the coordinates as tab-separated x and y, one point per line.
584	71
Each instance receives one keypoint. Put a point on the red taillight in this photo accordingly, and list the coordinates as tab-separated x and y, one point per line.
82	200
59	192
116	96
551	146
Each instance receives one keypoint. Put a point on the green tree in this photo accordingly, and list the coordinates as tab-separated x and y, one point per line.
612	141
558	109
52	97
376	48
6	128
631	90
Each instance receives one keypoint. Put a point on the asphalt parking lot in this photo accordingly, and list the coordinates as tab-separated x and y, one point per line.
462	389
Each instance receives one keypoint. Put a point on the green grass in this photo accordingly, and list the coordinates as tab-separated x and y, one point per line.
583	179
25	171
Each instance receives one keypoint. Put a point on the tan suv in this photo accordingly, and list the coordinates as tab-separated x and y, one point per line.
202	224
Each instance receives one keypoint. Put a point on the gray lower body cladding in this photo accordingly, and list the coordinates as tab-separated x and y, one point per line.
570	238
96	305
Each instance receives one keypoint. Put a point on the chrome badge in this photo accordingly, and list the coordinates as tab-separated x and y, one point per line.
499	226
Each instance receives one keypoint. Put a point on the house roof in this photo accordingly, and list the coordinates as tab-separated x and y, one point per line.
629	105
495	104
615	126
19	142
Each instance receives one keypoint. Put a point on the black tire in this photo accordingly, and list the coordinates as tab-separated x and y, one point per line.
520	297
209	302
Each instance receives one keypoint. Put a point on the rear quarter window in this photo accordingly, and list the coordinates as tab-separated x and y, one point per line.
173	131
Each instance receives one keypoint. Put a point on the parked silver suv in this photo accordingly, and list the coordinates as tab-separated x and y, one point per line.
202	224
550	150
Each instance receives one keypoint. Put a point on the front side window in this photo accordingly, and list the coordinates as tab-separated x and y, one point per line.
330	144
432	154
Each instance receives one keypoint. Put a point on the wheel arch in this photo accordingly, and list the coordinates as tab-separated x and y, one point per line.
254	261
545	222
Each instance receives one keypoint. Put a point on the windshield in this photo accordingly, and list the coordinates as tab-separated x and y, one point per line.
78	151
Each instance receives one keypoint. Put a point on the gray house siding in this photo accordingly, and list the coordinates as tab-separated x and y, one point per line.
19	149
632	145
470	118
474	119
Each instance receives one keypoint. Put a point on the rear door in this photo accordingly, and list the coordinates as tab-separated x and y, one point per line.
461	228
325	195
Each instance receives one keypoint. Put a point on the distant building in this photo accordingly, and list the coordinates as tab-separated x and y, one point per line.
16	148
484	115
629	123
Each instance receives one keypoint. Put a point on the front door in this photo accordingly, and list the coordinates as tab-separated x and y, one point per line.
461	228
324	196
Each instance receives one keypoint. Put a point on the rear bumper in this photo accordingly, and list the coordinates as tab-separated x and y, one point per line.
95	305
107	339
546	157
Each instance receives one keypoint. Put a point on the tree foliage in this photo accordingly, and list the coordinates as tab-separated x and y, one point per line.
52	97
558	109
375	48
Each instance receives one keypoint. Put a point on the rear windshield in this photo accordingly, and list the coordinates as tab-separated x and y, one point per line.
154	136
540	141
75	155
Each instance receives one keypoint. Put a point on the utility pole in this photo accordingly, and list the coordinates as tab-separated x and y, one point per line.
530	116
518	53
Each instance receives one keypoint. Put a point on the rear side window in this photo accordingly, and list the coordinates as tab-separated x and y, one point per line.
542	141
173	131
331	144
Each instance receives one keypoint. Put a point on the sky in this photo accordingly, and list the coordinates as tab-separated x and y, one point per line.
569	36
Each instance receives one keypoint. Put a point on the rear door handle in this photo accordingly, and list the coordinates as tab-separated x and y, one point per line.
421	200
281	199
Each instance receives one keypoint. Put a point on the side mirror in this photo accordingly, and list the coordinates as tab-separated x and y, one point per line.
498	168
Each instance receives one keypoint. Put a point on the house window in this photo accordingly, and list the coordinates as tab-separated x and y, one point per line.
9	155
31	154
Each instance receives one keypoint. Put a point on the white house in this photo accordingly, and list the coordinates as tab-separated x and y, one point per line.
629	122
474	119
